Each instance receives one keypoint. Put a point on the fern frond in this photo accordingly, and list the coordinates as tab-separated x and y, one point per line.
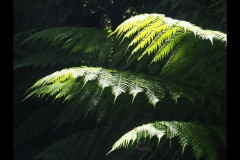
157	34
138	21
54	46
46	35
62	83
129	138
200	138
69	84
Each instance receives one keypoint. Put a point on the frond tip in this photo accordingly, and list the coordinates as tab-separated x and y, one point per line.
201	139
148	129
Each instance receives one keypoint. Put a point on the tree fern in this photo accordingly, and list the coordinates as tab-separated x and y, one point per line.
201	139
186	68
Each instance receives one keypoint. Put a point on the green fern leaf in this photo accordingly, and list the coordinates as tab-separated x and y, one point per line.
156	33
201	139
61	83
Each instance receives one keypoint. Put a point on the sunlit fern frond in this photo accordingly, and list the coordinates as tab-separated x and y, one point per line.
68	83
201	139
160	35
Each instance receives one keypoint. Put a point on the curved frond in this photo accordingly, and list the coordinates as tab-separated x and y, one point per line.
69	84
159	35
62	83
201	139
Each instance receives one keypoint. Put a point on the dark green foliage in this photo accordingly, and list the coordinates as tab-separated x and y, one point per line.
63	46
